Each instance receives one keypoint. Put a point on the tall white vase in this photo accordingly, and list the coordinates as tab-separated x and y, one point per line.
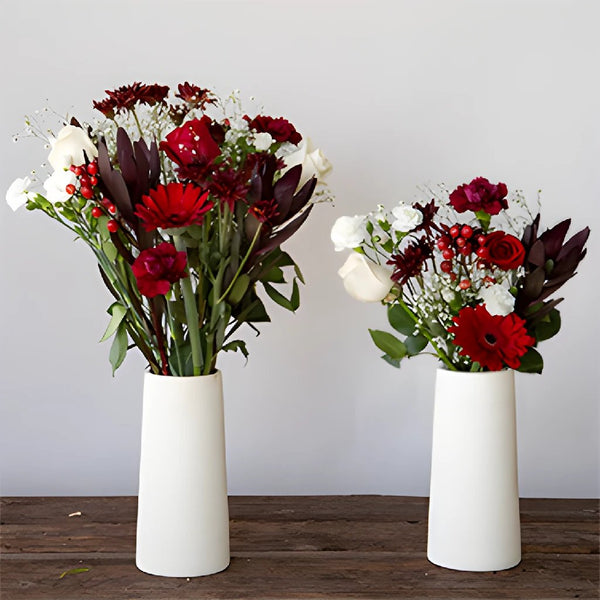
474	496
183	517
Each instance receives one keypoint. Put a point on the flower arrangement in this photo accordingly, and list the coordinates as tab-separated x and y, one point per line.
185	202
463	275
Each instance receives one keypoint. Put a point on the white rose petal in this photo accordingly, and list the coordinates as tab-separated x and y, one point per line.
406	218
69	146
348	232
365	280
262	141
56	184
18	192
313	161
497	299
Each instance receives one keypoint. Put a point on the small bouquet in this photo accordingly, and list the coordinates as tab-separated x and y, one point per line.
463	275
185	203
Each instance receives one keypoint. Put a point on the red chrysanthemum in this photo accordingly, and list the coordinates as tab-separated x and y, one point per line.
264	210
429	211
229	186
173	205
493	341
155	269
480	194
125	97
410	261
193	95
280	129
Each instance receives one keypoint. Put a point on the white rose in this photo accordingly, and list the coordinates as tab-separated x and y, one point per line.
348	232
313	162
56	184
497	299
407	218
262	141
18	192
68	148
365	280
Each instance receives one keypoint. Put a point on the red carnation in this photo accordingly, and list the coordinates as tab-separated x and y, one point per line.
157	268
493	341
173	205
504	250
480	194
280	129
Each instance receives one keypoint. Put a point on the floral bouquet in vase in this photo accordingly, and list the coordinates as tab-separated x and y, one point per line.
185	200
469	277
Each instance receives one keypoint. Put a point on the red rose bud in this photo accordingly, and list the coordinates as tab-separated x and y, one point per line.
157	268
504	250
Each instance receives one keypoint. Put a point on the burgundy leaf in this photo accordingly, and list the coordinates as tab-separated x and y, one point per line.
113	184
283	192
577	241
537	254
255	191
530	233
303	196
533	283
283	234
542	312
568	263
553	238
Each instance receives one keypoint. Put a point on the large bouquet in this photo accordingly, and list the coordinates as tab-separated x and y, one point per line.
185	202
462	275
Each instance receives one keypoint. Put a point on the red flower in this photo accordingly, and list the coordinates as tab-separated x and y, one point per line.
157	268
480	194
173	205
192	147
125	97
409	263
193	95
281	129
504	250
491	340
264	210
229	186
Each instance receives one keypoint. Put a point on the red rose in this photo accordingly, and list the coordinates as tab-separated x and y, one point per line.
280	129
493	341
480	194
504	250
157	268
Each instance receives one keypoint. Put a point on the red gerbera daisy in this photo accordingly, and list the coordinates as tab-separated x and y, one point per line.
155	269
173	205
493	341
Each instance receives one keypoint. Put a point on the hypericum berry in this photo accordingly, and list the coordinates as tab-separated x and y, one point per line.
452	276
446	266
466	231
84	180
465	284
460	241
466	250
482	252
97	212
93	180
106	202
481	239
92	168
77	170
489	279
86	192
112	209
448	253
112	226
455	231
481	265
70	189
442	243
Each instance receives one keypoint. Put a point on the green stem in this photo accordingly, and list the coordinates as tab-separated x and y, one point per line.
191	313
440	352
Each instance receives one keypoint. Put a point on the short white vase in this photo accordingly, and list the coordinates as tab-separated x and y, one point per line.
474	497
183	516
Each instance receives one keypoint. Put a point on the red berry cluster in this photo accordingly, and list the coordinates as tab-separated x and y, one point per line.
88	179
461	240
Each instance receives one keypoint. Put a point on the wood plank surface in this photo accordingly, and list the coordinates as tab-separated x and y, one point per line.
291	548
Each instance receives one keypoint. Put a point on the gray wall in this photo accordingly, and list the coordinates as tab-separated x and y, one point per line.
397	94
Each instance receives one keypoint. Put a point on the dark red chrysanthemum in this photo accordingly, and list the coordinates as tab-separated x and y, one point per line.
173	205
229	186
280	129
480	194
264	210
125	97
155	269
194	96
429	211
410	261
493	341
257	160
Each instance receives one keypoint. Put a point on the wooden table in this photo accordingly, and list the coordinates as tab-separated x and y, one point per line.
289	547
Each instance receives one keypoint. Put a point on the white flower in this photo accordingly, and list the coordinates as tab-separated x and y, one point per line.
497	299
56	184
262	141
18	193
448	294
239	124
68	148
365	280
312	160
348	232
407	218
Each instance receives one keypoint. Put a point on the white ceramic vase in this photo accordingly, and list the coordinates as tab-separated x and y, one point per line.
474	496
183	516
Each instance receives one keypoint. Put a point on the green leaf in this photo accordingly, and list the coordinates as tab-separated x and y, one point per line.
239	289
484	219
395	362
275	275
531	362
117	312
549	326
299	273
118	350
415	343
278	297
390	344
295	298
236	345
73	572
109	249
400	320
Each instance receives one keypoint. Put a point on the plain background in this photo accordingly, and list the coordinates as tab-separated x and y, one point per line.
397	94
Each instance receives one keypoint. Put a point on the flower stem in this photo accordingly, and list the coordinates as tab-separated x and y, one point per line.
191	313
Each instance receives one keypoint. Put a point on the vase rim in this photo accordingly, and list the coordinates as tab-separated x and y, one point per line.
182	377
446	370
